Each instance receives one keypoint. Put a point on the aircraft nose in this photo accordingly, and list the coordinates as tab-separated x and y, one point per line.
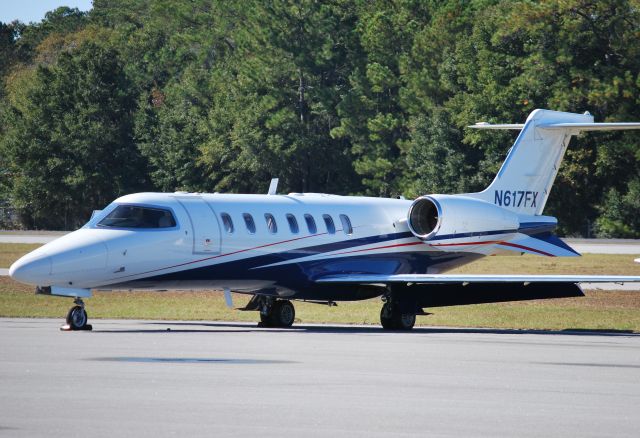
31	270
81	260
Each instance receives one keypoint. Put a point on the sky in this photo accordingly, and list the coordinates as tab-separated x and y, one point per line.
34	10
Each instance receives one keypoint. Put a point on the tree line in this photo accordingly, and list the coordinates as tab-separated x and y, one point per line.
366	97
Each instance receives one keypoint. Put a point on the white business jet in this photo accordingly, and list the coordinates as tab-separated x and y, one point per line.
326	248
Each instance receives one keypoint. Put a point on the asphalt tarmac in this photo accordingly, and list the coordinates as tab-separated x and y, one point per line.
136	378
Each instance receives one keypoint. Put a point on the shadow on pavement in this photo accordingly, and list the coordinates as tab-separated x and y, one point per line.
190	360
240	327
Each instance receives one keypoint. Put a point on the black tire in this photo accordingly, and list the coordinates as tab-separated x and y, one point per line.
265	320
282	314
77	318
405	321
392	319
386	317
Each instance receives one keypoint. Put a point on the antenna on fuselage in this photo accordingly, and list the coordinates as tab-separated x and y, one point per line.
273	187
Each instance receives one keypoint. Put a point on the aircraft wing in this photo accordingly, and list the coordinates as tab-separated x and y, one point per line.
439	290
473	279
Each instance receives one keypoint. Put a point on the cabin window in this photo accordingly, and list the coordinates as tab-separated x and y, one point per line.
346	224
311	223
131	216
328	221
271	223
227	222
293	223
248	221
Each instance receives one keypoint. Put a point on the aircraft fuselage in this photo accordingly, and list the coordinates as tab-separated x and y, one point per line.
284	243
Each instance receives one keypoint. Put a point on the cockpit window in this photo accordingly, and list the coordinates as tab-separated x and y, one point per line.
130	216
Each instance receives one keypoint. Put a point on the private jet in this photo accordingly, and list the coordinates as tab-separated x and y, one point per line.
326	248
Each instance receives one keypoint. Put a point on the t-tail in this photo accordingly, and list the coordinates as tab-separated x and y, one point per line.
507	215
525	179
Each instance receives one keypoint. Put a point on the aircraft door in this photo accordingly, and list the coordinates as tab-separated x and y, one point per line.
204	225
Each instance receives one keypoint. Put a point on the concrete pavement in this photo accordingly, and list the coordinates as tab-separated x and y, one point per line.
136	378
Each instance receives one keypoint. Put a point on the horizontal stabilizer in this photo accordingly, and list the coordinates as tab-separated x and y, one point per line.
571	126
591	126
485	125
484	278
533	161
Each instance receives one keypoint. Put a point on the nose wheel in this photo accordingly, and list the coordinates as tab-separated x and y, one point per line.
76	318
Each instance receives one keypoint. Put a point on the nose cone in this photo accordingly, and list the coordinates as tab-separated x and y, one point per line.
30	269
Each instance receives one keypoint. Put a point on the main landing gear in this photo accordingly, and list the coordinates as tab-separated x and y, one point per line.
77	318
277	313
273	312
392	317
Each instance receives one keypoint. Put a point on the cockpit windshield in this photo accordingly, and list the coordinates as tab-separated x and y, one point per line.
131	216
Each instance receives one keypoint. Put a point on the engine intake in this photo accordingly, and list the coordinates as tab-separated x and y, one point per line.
424	217
455	216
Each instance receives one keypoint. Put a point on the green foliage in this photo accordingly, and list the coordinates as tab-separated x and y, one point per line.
434	156
620	216
69	144
169	128
275	98
343	96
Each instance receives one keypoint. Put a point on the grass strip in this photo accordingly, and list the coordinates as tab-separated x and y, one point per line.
599	310
10	252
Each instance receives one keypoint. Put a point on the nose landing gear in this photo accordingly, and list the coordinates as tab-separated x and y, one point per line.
77	318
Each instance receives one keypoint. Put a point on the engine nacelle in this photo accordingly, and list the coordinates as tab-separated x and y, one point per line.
447	215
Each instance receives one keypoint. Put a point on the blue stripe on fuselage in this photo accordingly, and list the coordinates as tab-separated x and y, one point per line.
474	234
254	262
298	278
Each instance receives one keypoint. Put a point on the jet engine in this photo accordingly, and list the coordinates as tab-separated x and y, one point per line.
434	216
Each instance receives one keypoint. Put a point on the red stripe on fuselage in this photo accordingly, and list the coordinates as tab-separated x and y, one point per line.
497	242
221	255
466	243
515	245
340	253
379	247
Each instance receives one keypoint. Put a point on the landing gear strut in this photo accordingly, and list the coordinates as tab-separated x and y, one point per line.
277	313
77	317
392	318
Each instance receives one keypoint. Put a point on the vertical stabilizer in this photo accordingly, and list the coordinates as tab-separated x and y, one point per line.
525	178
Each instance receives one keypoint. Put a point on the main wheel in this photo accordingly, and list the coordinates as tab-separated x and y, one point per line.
392	319
386	317
282	314
405	321
77	318
265	320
